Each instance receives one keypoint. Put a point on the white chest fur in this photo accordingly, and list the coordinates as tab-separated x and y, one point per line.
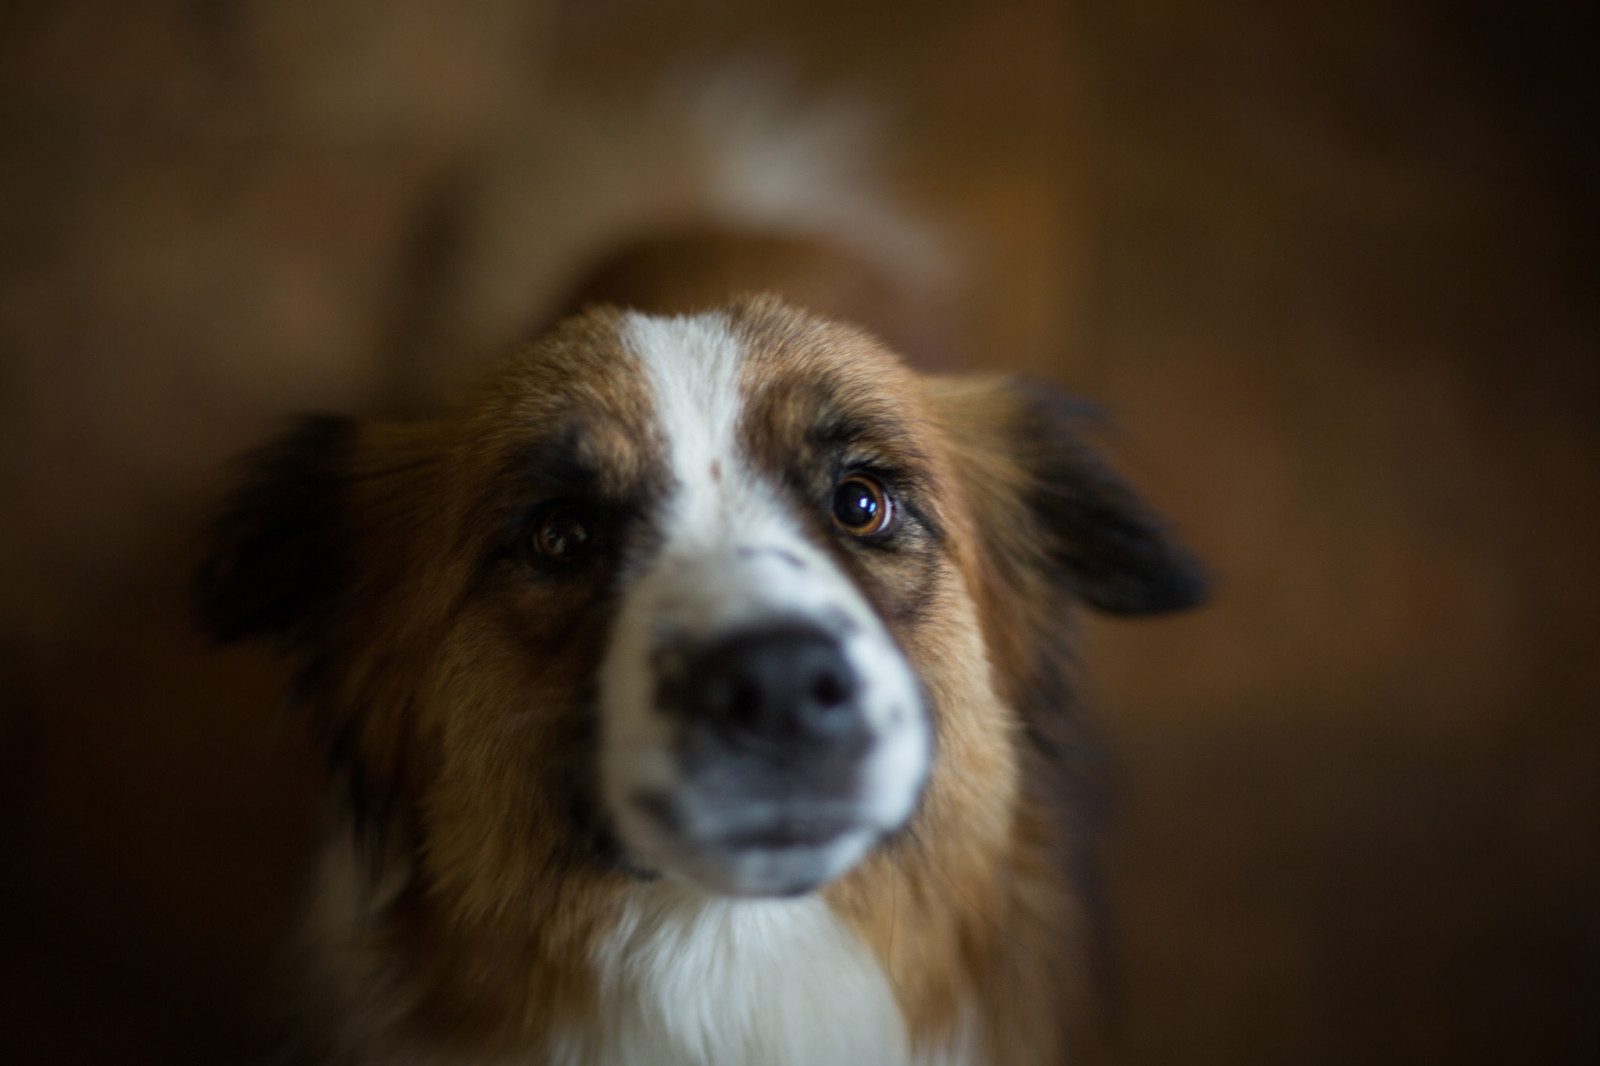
687	979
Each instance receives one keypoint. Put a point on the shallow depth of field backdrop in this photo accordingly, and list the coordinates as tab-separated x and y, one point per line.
1333	266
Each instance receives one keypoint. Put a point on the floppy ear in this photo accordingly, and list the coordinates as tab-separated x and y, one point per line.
1067	513
1108	546
281	564
278	551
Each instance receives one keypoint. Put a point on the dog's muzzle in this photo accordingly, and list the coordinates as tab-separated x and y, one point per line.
761	743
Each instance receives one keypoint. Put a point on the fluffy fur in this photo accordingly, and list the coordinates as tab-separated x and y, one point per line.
500	892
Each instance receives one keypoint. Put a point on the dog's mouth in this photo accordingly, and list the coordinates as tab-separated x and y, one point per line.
763	849
787	833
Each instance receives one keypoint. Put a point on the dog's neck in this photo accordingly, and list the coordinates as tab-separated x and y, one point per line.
684	979
688	979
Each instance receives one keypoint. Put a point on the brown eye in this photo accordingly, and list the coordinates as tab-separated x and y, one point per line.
861	506
564	534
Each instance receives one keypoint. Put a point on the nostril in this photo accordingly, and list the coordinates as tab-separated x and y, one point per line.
827	709
728	699
829	690
746	704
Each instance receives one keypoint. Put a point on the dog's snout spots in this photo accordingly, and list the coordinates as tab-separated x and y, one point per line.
829	690
716	470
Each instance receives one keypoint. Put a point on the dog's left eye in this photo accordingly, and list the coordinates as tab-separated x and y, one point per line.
861	506
563	534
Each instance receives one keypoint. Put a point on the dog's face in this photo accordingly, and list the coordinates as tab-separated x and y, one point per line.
760	725
715	598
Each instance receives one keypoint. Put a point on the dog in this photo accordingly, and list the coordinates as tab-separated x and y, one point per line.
700	686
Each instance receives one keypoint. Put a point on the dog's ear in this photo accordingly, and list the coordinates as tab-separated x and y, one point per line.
311	549
1068	513
1110	547
278	550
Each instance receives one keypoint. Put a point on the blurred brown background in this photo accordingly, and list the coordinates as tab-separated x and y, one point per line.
1333	266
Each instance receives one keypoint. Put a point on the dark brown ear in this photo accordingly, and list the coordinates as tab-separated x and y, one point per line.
281	565
1107	545
1052	511
279	549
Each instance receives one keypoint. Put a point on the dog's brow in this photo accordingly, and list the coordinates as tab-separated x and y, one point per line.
876	436
559	463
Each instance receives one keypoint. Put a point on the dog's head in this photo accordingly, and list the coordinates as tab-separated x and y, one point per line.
717	597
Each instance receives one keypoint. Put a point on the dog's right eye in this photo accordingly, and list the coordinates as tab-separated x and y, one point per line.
564	533
861	506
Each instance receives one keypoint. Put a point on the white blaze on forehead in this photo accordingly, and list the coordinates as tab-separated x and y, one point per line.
731	552
694	364
731	548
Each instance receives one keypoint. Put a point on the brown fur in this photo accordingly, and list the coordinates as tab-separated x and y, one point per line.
391	550
979	899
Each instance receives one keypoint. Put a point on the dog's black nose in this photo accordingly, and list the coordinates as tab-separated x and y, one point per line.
787	685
